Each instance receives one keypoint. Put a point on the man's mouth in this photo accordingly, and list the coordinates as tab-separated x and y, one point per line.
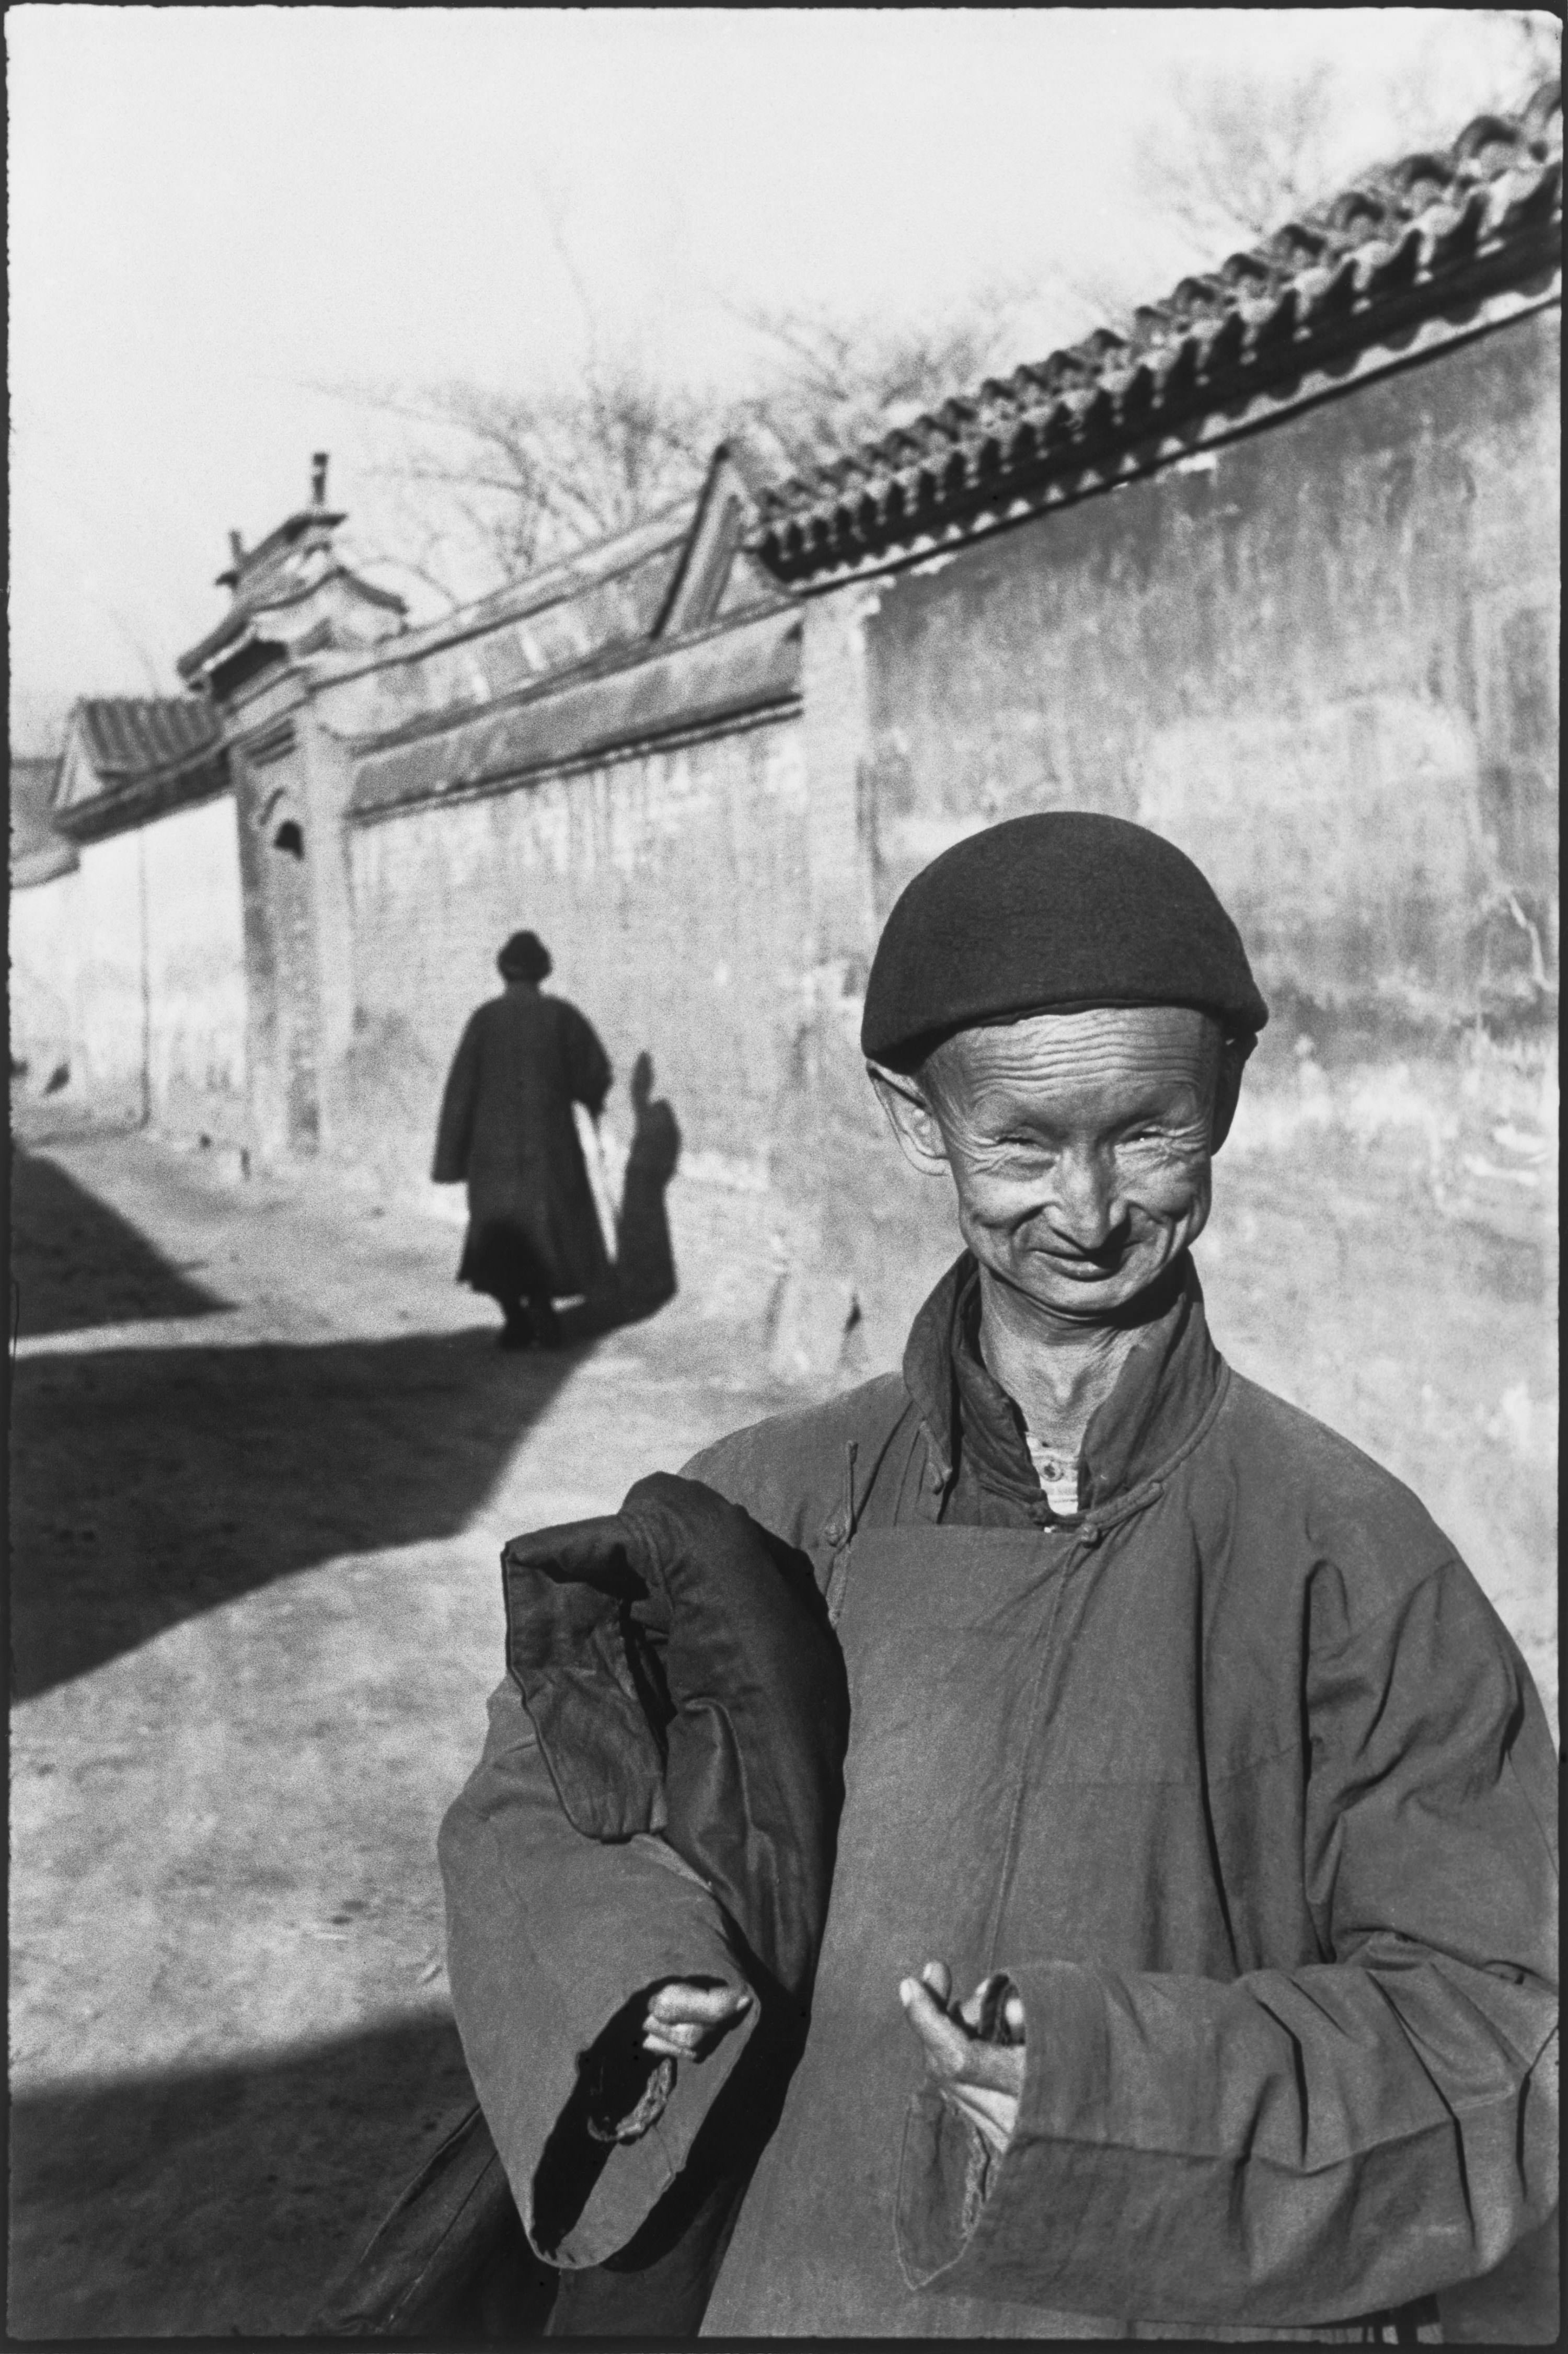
1084	1266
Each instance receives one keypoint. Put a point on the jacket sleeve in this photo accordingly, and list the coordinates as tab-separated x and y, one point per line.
549	1935
1314	2145
454	1130
587	1065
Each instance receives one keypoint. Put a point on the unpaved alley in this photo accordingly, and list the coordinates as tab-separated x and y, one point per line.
266	1454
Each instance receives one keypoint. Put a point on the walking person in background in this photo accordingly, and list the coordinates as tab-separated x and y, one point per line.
506	1129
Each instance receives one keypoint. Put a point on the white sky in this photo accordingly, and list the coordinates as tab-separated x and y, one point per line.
213	208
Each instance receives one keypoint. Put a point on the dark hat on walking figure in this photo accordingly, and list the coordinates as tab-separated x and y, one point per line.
524	957
1051	913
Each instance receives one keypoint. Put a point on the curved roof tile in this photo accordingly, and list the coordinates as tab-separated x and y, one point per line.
130	737
1400	240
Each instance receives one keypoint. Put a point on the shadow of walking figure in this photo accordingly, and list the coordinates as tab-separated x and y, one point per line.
645	1259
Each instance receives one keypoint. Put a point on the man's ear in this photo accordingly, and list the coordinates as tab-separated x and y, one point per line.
911	1119
1233	1053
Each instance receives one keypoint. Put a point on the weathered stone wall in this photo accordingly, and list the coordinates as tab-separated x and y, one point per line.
1322	658
132	971
673	891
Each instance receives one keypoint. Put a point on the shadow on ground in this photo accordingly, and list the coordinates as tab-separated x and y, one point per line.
150	1485
227	2203
224	2202
75	1264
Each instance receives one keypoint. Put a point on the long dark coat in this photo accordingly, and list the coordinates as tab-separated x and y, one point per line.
507	1127
1279	1896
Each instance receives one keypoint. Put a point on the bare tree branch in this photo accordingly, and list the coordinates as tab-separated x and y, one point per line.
489	485
556	208
1239	153
1236	154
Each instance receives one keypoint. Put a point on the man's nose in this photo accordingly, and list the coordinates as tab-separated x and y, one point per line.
1087	1209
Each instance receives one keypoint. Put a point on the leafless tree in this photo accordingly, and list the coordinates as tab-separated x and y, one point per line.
1236	154
482	486
476	487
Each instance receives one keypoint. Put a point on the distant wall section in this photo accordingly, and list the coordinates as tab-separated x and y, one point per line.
672	888
196	973
43	957
130	970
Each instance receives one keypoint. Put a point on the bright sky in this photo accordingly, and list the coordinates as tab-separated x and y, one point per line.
213	209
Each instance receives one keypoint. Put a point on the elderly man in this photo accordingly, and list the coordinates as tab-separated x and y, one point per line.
1189	1968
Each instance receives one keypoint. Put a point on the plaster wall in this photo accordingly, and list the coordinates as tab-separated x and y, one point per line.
196	967
42	995
1322	658
108	982
132	971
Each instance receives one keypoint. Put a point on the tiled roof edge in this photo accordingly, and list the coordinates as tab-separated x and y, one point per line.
597	717
739	718
493	612
244	615
1400	244
186	724
45	863
606	662
136	798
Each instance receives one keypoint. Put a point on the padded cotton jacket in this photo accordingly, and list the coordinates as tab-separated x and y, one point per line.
1290	1983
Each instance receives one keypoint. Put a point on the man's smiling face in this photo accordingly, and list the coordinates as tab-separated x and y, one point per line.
1080	1146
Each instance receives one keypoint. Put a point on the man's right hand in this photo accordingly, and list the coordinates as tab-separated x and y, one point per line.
685	2021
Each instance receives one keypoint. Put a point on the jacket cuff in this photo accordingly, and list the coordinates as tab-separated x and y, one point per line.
619	1920
975	2224
637	2173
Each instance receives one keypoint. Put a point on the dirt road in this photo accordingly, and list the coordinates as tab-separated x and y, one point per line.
267	1454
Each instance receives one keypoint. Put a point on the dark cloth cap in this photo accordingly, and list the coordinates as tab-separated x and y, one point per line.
1063	909
524	957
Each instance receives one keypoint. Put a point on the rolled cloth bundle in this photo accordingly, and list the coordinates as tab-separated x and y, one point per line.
680	1672
681	1675
677	1664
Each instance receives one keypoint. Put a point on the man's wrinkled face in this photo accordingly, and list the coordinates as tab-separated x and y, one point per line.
1080	1146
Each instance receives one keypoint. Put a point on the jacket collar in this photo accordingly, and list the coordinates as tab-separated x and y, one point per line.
1163	1395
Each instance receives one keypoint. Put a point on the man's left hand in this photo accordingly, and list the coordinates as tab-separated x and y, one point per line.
982	2078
